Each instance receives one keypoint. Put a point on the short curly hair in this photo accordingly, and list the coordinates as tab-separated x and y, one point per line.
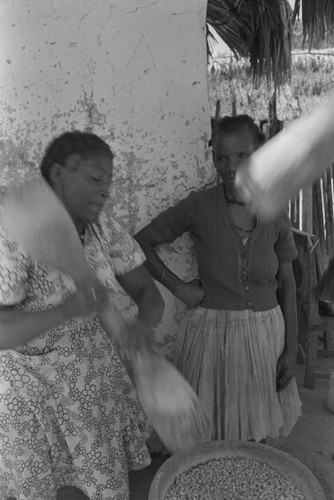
84	144
228	124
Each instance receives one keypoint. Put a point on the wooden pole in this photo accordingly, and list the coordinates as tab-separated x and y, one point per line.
330	207
217	113
313	321
327	227
294	215
317	200
307	210
311	358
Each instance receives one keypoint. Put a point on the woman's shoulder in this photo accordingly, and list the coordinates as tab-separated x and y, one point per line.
109	225
205	195
123	249
113	233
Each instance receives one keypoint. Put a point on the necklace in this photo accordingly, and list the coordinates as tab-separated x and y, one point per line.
231	202
248	231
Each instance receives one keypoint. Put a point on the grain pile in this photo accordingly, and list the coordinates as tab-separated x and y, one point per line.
234	478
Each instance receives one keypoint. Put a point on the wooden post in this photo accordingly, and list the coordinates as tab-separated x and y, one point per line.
307	210
234	106
329	340
217	112
266	130
327	215
293	212
311	358
330	208
313	321
317	200
272	115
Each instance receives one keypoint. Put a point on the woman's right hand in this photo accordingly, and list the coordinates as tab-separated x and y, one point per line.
88	298
192	294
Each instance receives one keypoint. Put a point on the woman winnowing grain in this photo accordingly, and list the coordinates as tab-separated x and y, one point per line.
71	423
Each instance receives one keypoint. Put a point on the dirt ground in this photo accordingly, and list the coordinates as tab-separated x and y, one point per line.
311	440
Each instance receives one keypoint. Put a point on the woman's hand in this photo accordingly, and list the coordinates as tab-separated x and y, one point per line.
191	294
285	370
139	335
87	299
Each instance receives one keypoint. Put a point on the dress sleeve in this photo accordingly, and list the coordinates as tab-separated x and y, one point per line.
124	251
285	247
13	271
175	221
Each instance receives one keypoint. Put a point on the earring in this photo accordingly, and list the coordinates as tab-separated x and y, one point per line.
60	185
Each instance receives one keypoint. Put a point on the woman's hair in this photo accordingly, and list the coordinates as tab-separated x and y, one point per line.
70	143
229	124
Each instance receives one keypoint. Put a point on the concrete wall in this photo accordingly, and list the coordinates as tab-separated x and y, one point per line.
131	71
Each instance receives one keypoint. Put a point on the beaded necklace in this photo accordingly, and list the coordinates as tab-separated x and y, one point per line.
240	204
248	231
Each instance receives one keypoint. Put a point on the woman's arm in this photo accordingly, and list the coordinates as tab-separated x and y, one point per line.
149	238
286	294
17	327
190	293
141	288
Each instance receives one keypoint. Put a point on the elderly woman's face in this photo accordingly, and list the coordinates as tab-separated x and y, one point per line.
85	185
230	150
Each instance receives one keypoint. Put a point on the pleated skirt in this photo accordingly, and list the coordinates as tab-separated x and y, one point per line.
230	359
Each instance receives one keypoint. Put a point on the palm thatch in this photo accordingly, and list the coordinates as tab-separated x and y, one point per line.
257	29
318	21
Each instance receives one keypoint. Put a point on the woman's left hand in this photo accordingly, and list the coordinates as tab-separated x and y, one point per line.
285	370
140	335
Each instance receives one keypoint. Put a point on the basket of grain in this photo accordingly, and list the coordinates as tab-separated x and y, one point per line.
234	470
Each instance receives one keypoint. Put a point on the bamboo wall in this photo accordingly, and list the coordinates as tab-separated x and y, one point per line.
313	211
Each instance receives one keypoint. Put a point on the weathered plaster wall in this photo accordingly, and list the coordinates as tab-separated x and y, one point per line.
132	71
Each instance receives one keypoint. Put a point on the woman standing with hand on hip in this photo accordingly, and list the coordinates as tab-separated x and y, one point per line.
237	344
71	423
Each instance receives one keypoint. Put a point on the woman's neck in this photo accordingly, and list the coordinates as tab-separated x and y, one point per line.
232	197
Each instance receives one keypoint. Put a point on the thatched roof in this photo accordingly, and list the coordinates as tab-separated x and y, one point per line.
261	30
258	29
318	21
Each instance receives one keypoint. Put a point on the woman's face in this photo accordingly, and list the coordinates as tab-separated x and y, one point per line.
230	151
84	186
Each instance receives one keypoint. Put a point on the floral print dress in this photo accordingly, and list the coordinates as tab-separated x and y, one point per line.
69	414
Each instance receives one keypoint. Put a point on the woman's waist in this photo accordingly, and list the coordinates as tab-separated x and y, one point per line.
240	297
70	337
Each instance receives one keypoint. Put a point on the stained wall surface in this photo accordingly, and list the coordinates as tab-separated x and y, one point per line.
131	71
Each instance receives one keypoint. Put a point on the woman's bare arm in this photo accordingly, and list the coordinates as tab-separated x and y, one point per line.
190	293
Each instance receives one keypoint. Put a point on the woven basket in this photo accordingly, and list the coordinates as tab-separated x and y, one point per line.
294	470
